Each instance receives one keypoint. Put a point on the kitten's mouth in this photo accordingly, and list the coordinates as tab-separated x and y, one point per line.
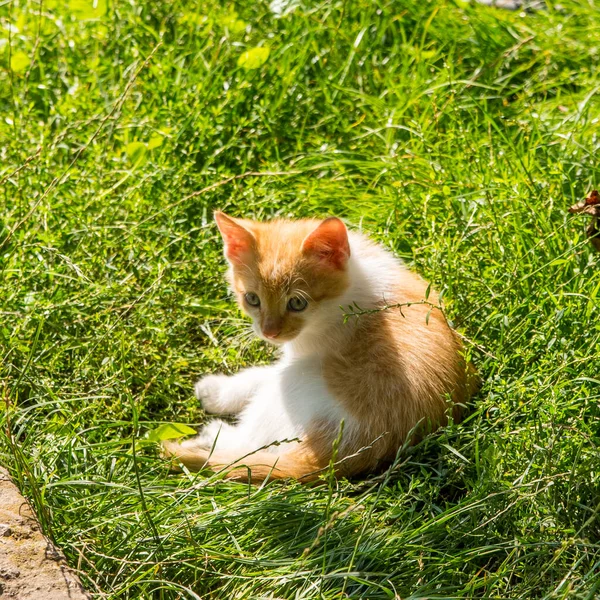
277	339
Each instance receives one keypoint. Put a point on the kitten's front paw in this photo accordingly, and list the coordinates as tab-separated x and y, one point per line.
210	390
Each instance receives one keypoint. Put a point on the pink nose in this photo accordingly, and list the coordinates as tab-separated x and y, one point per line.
271	333
271	330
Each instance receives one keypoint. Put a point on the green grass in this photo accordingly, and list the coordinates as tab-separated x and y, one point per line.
455	134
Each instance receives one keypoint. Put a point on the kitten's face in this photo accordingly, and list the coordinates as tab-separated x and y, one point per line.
283	271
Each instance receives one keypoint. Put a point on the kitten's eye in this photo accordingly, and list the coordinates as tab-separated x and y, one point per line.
296	303
252	299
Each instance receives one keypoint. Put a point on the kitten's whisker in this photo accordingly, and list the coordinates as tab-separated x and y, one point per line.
299	279
305	295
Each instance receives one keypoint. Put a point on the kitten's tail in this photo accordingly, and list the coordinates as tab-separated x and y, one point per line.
257	466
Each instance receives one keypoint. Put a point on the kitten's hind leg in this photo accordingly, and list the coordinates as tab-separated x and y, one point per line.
216	433
223	394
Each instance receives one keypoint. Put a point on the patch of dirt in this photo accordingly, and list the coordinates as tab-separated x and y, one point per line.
31	567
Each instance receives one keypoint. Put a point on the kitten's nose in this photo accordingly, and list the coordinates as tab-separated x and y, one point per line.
271	329
271	333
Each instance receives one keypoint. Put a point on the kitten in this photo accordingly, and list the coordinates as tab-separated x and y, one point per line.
386	373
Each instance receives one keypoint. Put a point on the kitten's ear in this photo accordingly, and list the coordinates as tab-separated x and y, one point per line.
329	243
239	241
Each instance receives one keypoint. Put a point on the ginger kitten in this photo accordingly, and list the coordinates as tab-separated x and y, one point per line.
383	374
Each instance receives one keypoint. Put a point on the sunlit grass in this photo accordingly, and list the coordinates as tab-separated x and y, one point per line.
455	134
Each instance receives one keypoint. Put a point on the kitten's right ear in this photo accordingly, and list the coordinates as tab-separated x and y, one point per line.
239	241
328	243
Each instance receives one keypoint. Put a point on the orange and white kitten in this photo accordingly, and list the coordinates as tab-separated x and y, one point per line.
385	373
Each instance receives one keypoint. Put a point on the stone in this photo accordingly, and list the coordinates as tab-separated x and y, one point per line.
5	530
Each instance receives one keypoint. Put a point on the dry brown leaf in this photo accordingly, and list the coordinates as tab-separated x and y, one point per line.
590	206
594	234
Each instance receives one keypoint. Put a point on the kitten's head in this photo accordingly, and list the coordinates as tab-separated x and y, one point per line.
283	272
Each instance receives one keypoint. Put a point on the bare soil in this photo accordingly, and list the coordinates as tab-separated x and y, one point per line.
31	567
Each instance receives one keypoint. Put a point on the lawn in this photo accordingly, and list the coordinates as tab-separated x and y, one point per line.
456	134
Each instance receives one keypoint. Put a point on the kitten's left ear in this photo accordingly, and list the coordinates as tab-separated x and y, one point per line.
239	241
329	243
